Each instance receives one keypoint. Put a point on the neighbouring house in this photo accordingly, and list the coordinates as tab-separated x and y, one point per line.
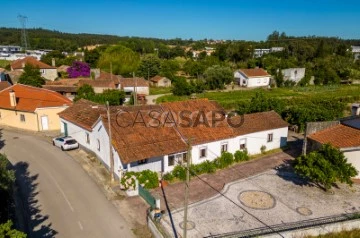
47	71
160	81
140	86
260	52
293	74
343	134
66	90
249	78
100	85
356	52
159	145
31	108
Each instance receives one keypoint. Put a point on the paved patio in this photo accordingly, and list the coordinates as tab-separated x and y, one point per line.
271	198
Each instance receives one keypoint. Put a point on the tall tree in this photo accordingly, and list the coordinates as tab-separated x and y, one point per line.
149	66
325	167
217	76
124	61
31	76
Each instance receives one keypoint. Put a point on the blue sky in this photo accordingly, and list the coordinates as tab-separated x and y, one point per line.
197	19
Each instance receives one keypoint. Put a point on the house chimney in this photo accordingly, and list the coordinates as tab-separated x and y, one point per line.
355	109
12	98
53	62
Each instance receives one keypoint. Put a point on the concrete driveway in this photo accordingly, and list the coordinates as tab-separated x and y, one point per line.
271	198
58	197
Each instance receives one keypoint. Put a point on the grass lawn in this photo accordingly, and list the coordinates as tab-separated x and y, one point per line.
3	63
342	234
229	100
159	90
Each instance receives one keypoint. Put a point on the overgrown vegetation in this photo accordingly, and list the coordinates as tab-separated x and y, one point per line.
225	160
342	234
32	76
113	96
325	167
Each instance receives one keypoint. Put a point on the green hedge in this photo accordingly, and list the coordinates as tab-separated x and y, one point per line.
225	160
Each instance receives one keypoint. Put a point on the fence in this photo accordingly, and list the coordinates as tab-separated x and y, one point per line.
145	194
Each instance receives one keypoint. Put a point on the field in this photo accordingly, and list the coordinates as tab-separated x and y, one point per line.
230	100
343	234
159	90
3	63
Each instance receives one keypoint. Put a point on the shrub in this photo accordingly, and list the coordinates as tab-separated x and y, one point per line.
225	160
148	179
208	167
128	180
179	172
263	149
168	177
241	156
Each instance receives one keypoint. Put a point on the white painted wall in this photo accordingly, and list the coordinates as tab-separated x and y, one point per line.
252	81
353	157
139	90
153	164
294	74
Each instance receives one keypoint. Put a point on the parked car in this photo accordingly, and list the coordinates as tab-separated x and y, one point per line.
65	143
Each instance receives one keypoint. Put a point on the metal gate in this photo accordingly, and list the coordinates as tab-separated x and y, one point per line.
145	194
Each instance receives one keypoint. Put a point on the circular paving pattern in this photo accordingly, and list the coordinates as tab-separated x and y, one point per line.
304	211
257	200
190	225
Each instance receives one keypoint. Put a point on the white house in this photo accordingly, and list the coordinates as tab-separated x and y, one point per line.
252	77
356	51
141	142
293	74
345	136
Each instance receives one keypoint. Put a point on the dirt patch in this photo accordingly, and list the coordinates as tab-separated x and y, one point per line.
257	200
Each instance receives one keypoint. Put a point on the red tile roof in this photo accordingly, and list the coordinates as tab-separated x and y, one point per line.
65	82
104	83
30	98
4	84
107	76
156	78
340	136
131	82
18	64
258	72
256	122
61	88
139	141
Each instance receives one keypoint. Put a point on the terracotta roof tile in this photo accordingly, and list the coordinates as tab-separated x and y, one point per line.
256	122
258	72
107	76
340	136
18	64
61	88
156	78
131	82
29	98
67	82
97	83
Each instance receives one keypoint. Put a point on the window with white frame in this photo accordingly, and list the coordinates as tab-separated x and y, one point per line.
98	144
242	144
177	158
270	137
22	117
224	147
87	138
203	152
43	71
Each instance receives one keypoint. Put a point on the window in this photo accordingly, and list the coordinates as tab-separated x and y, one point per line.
87	137
203	152
242	144
270	137
143	161
22	117
184	157
98	144
171	160
43	71
224	147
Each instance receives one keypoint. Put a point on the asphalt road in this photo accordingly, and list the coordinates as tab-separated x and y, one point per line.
59	198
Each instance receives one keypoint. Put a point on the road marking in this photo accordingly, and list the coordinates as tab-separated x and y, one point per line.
81	227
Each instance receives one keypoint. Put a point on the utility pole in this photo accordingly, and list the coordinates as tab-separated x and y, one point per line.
135	89
110	144
188	161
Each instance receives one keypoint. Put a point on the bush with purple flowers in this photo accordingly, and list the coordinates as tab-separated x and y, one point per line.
79	69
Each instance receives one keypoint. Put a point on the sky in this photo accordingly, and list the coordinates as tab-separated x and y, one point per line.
196	19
